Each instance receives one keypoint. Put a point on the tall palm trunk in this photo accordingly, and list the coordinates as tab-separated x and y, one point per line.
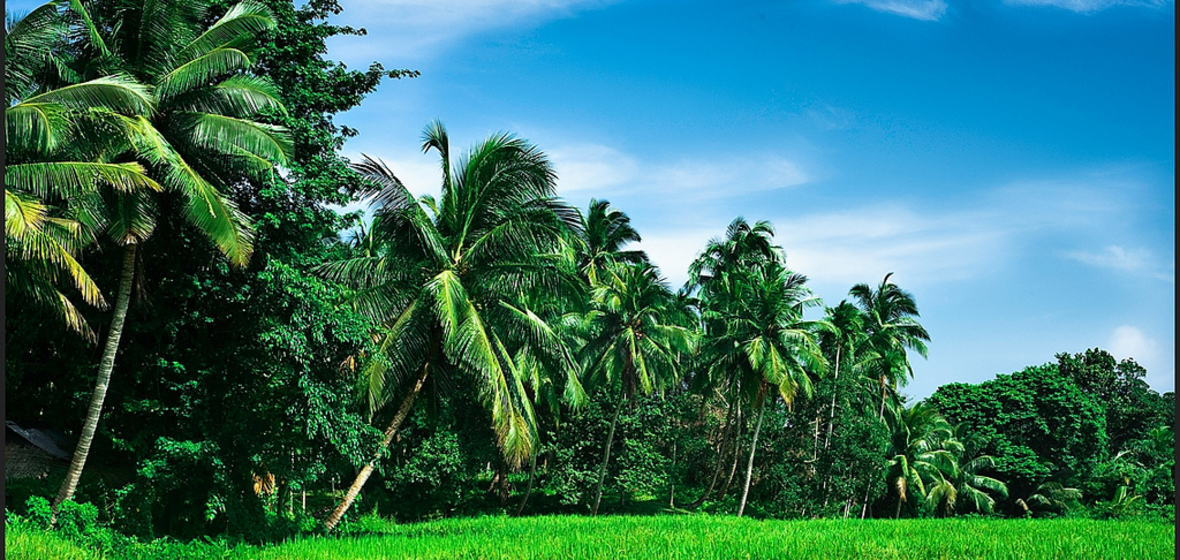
363	476
105	366
750	462
528	489
881	413
610	439
832	408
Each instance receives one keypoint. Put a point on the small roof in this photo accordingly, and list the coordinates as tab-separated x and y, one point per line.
38	438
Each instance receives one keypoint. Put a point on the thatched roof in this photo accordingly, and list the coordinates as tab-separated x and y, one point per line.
38	438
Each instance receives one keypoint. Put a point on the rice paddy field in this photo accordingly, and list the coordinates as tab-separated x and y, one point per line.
693	537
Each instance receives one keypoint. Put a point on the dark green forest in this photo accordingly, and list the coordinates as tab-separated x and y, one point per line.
225	355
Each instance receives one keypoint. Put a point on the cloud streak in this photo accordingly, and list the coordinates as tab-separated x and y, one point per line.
924	10
417	29
602	170
1088	6
1117	258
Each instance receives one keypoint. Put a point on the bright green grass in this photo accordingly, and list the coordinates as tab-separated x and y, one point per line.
692	537
687	537
22	543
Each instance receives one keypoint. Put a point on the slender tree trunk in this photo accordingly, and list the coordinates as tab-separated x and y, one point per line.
722	454
750	461
528	488
897	514
102	382
610	439
737	447
672	479
363	476
864	508
881	414
832	408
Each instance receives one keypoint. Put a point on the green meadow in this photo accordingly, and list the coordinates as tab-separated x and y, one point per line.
679	537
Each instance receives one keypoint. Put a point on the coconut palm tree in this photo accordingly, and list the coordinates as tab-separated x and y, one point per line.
1052	497
634	346
451	280
921	450
763	337
199	138
606	231
891	323
56	132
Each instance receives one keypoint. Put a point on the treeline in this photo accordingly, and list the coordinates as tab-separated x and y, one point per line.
488	349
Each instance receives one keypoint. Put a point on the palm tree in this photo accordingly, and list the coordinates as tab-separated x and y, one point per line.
765	340
634	347
843	342
56	131
450	281
723	261
199	138
921	450
891	323
606	231
1052	497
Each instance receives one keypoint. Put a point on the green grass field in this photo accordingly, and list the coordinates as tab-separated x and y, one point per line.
692	537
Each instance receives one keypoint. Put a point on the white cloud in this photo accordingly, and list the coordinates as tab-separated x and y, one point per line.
605	170
925	10
417	29
1130	342
1126	260
1088	6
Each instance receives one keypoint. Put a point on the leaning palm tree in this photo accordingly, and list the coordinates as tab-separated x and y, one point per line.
635	345
892	327
56	132
450	280
199	138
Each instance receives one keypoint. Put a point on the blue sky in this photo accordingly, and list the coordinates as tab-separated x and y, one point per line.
1010	161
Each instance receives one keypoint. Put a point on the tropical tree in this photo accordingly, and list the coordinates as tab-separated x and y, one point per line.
766	340
56	132
1052	497
711	275
605	233
450	280
922	450
891	323
199	138
635	344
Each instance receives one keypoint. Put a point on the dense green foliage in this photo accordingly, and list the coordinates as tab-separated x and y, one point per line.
490	350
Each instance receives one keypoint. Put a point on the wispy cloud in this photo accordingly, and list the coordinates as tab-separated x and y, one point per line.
925	10
416	29
604	170
1126	260
1089	6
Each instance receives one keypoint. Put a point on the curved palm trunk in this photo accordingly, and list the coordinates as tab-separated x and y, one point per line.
610	439
750	461
362	477
105	366
528	489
